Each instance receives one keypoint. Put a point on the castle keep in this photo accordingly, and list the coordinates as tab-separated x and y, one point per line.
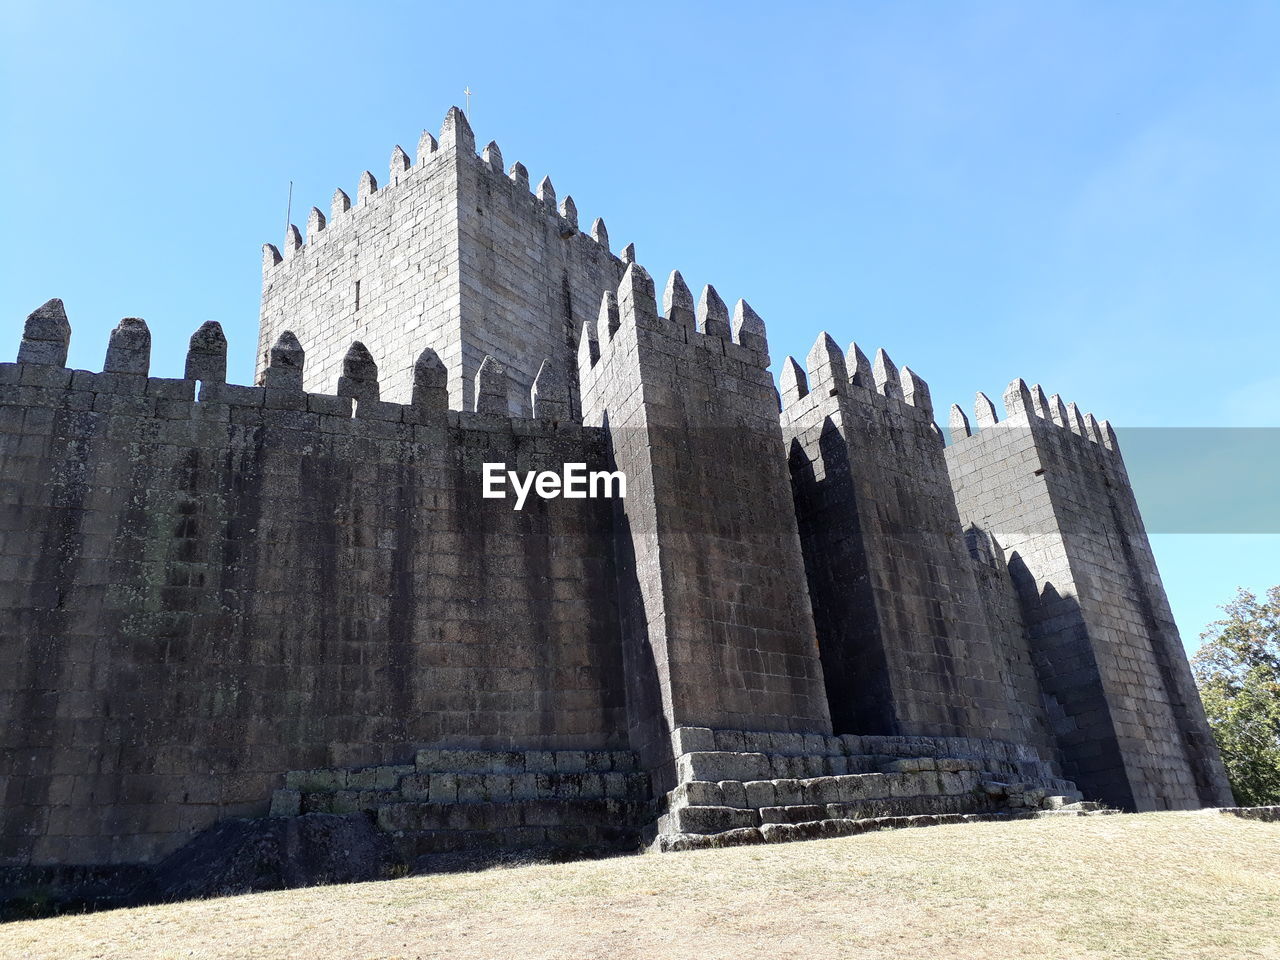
290	601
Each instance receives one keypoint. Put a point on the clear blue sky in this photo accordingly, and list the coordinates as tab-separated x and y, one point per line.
1083	194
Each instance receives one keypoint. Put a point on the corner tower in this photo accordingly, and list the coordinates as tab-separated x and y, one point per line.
1049	485
452	253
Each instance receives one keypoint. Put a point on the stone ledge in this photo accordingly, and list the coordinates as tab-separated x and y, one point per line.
817	830
717	819
1266	814
757	794
704	739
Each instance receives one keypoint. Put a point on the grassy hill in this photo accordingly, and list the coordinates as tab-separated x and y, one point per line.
1172	885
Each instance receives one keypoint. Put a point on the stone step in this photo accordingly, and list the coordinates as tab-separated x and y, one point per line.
718	819
755	794
707	819
717	765
466	788
473	787
359	788
1014	760
382	777
921	764
1054	785
818	829
448	760
888	807
688	739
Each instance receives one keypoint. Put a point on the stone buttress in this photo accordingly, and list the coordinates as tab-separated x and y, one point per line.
717	631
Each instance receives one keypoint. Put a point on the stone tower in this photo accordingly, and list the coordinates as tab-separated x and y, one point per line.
454	254
716	625
907	643
1049	485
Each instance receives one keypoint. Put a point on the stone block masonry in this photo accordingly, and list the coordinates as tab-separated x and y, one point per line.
293	599
907	645
452	253
716	627
201	594
1048	485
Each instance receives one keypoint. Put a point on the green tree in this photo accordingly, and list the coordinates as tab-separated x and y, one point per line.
1238	672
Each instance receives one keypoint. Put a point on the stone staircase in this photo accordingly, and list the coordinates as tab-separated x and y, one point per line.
795	786
451	802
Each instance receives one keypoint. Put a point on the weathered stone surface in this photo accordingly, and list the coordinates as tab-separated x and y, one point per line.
284	372
253	602
491	388
690	739
207	354
239	856
903	647
549	396
286	803
712	819
46	336
359	378
1081	581
129	349
721	765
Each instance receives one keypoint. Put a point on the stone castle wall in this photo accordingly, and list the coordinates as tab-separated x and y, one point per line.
1015	658
207	586
530	278
202	594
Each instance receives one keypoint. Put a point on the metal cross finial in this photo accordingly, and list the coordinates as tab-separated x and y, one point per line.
467	91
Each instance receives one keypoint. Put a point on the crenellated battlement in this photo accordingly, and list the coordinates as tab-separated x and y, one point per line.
126	374
684	395
874	389
1027	406
268	578
457	250
633	308
457	142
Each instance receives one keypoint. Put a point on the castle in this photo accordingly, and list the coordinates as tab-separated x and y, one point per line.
810	612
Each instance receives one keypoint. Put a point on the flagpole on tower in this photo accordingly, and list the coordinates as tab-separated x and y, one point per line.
467	92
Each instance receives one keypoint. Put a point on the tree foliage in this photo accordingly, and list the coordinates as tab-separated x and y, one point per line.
1238	672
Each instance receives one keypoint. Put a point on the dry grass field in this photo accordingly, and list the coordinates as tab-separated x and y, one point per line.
1174	885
